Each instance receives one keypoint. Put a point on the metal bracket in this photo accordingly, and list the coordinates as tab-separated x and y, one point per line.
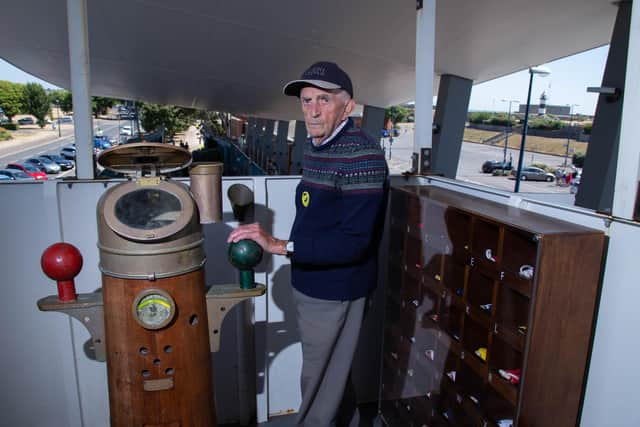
88	309
220	299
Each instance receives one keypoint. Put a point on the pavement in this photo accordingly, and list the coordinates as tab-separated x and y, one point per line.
30	136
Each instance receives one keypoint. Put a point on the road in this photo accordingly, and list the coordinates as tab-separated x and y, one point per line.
399	159
471	158
52	145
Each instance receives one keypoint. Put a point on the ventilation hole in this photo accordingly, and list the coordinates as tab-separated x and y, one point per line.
169	371
168	349
223	308
193	320
97	341
146	374
215	331
143	351
156	362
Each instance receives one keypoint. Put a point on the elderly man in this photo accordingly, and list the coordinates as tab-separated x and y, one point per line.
333	243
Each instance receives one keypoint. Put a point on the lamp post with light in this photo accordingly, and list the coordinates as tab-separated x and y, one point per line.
543	72
566	155
506	139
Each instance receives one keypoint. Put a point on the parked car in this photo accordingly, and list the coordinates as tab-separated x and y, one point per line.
65	164
126	130
26	121
30	169
66	119
490	165
531	173
101	143
16	175
68	153
4	178
45	164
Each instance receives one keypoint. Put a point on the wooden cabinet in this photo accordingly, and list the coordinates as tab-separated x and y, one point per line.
489	313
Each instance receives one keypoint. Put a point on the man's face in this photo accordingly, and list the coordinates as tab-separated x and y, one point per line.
323	111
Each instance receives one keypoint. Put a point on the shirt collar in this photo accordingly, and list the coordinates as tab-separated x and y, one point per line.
333	134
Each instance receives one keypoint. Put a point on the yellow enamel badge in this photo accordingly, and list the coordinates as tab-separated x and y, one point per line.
305	199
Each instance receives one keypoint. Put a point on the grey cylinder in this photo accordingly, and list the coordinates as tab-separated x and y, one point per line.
241	198
206	187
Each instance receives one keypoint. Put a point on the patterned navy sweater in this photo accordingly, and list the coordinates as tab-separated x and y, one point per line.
340	204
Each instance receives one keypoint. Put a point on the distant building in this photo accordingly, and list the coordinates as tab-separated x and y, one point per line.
542	109
555	110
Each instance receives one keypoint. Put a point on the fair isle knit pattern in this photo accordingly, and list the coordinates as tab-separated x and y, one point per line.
340	205
352	163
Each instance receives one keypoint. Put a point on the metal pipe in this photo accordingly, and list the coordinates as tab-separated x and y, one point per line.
524	135
80	86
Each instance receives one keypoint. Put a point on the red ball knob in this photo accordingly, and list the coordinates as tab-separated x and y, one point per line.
62	262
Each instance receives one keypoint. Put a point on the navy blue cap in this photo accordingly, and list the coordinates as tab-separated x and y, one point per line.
324	75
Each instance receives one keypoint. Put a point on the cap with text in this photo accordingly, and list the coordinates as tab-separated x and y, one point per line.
324	75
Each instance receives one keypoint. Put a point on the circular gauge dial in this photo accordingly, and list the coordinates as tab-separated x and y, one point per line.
153	308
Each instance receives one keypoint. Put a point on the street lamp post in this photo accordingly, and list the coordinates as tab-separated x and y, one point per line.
543	72
566	155
58	108
506	139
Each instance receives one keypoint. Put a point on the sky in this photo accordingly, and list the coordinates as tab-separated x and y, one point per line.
567	84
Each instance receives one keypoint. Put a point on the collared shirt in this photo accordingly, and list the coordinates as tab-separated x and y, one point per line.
333	134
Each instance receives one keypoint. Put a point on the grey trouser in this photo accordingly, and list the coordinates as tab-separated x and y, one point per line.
329	333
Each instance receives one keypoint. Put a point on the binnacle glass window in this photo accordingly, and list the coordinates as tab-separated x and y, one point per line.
148	209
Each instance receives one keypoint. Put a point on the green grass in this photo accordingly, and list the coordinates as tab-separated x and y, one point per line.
4	135
538	144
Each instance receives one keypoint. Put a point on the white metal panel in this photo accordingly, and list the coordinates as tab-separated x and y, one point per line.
425	63
283	351
77	204
612	387
628	170
38	384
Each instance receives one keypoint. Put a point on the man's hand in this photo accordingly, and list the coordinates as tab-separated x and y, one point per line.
256	233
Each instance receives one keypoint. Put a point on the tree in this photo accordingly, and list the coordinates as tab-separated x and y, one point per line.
397	114
100	104
216	121
66	103
11	98
60	98
168	119
36	102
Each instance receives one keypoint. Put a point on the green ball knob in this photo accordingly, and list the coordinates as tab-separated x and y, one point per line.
244	255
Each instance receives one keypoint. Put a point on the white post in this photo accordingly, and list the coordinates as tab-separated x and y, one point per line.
628	170
425	60
79	70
